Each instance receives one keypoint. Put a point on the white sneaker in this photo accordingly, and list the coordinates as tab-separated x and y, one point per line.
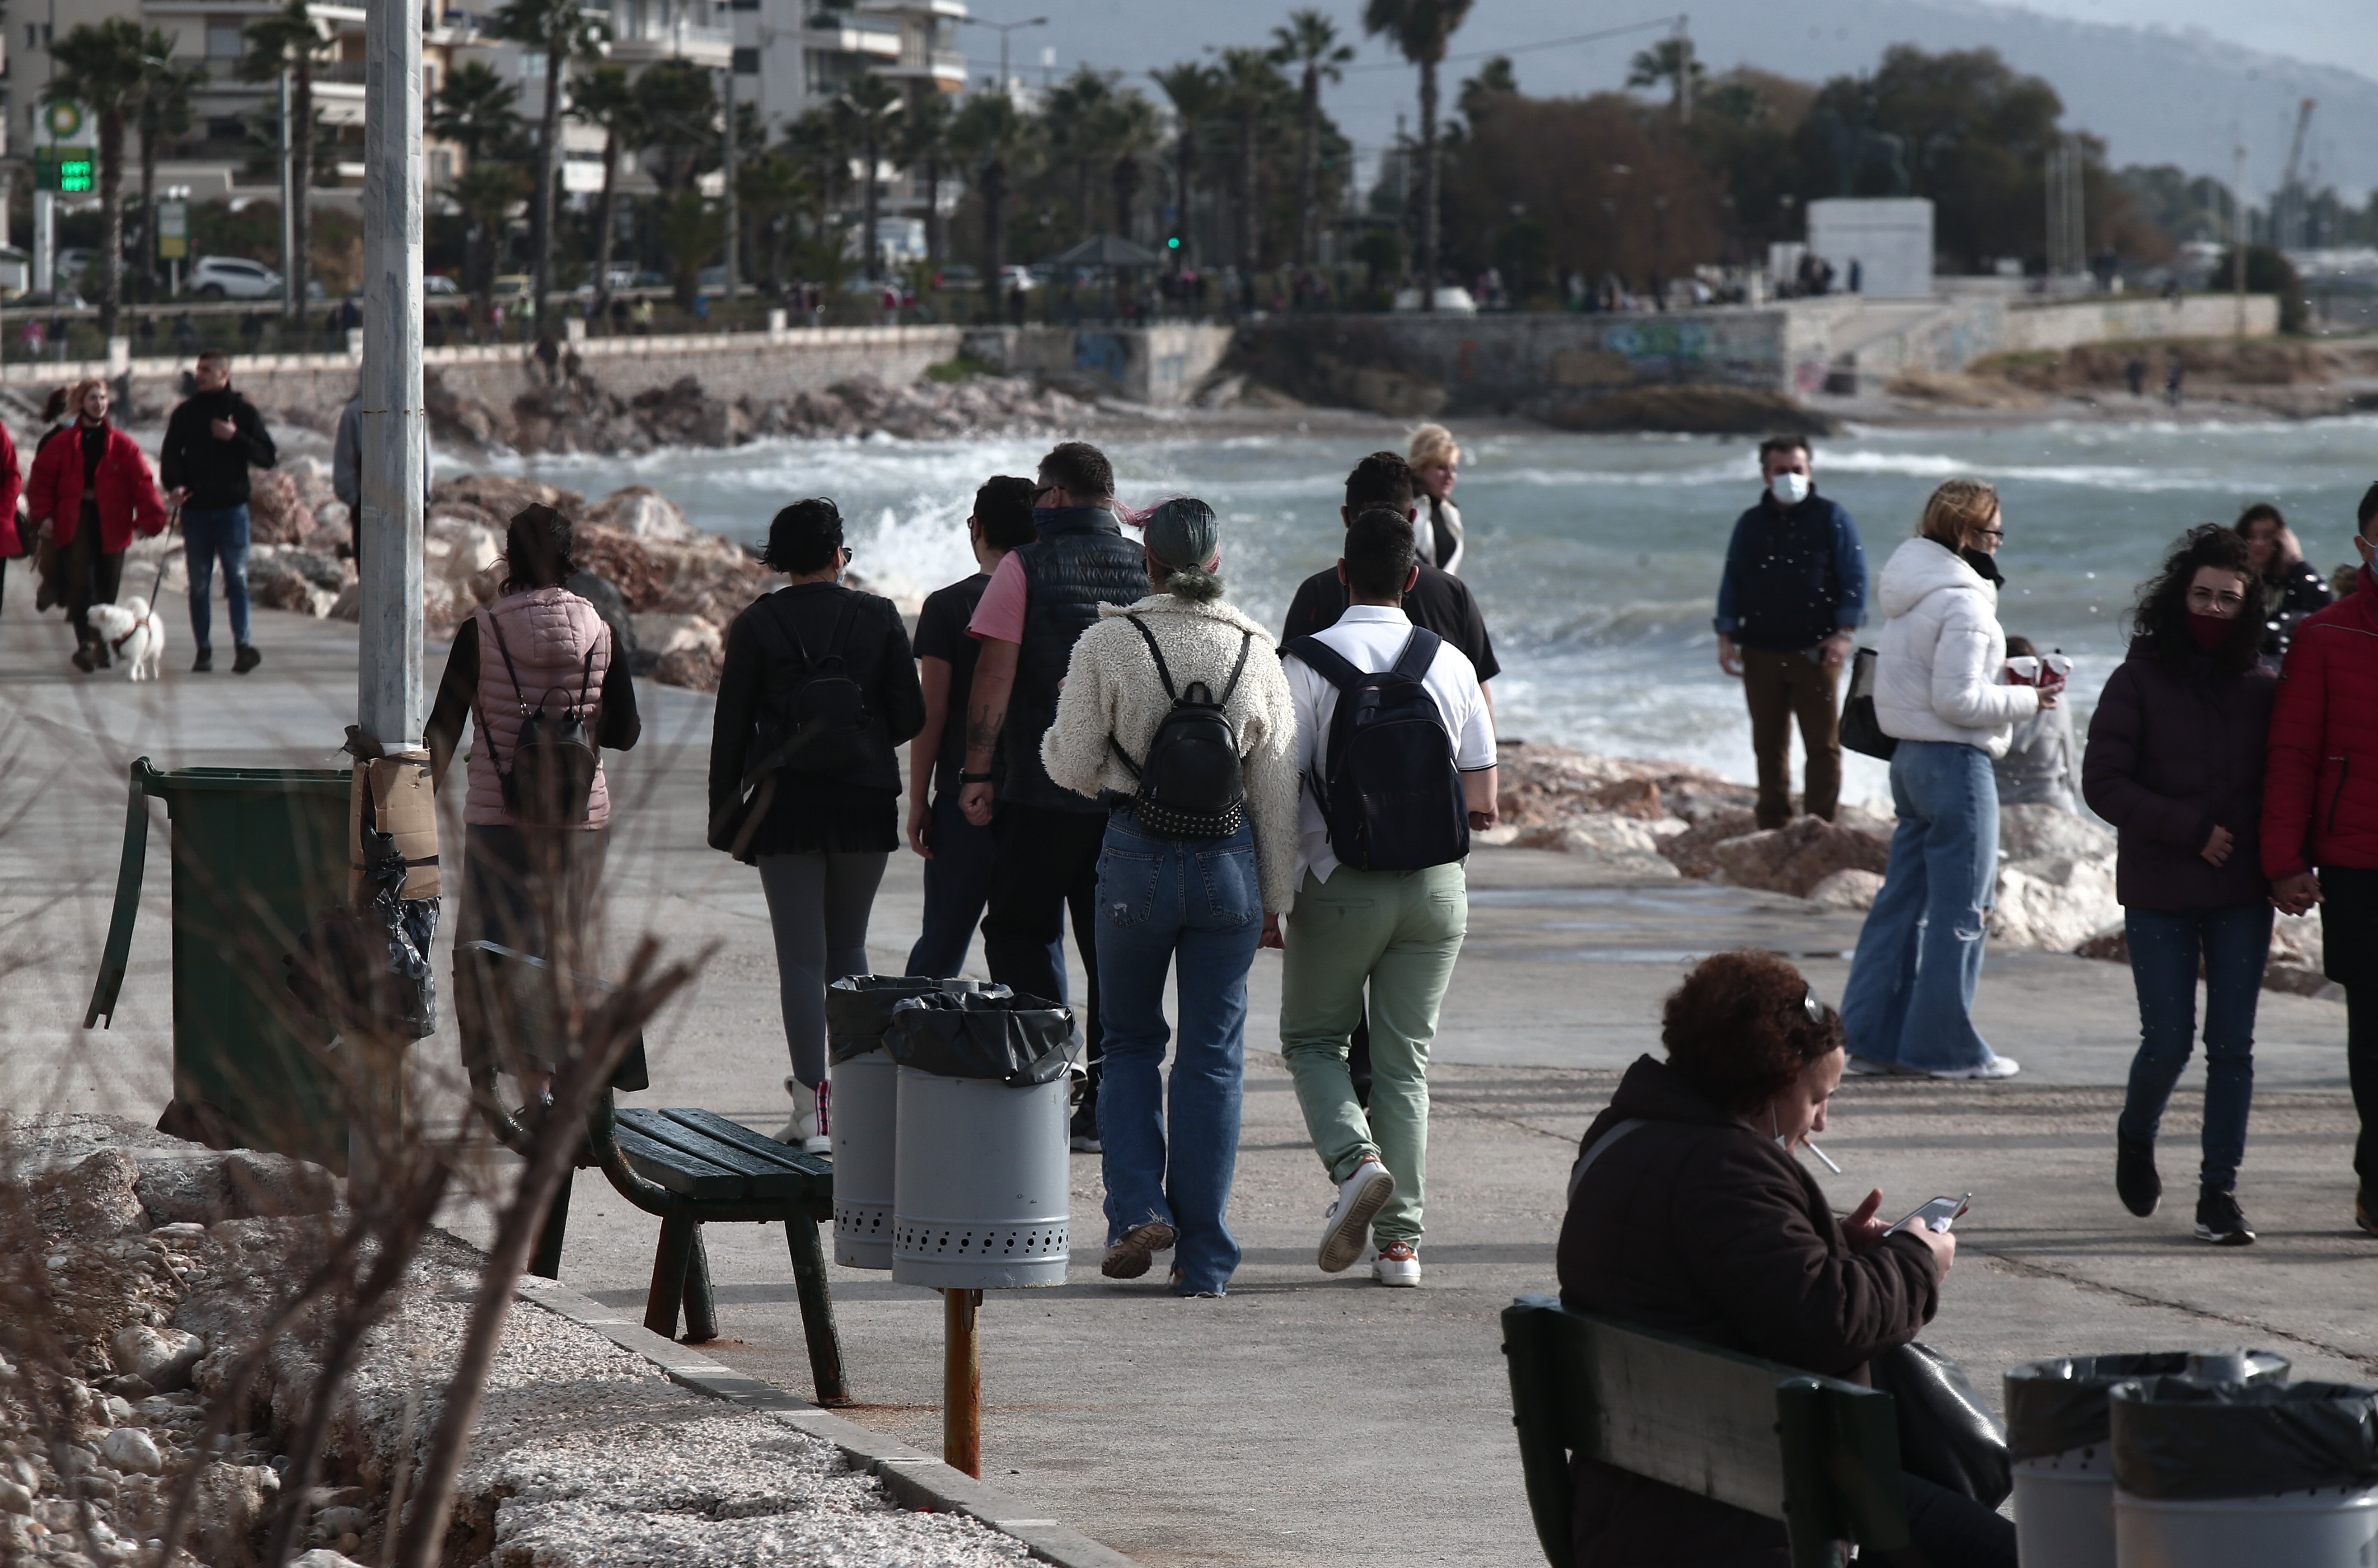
1347	1227
807	1131
1997	1067
1395	1264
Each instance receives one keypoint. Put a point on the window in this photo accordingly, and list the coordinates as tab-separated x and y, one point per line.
429	80
223	41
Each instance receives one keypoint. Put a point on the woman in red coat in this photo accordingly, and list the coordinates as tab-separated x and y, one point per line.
95	488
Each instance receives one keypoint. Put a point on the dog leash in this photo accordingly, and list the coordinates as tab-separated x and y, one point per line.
165	557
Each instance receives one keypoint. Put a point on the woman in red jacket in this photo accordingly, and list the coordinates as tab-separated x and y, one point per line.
95	488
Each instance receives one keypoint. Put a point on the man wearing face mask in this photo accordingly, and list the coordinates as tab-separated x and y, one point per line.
1788	608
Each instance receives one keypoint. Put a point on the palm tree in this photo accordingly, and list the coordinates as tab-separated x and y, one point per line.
288	40
164	116
991	132
486	192
1195	91
925	148
1421	30
1250	85
691	231
681	110
771	190
563	30
1671	61
1309	41
604	99
869	103
473	109
1071	119
104	67
1126	128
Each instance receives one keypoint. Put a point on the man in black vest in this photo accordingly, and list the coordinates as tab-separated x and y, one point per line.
1045	839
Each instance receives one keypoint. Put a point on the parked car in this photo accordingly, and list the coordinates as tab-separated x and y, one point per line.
60	299
1449	302
1017	278
513	287
958	275
438	285
72	261
232	277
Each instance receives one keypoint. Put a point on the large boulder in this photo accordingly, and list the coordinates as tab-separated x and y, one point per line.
275	513
2055	902
642	512
501	495
1795	857
1616	847
2034	833
1692	852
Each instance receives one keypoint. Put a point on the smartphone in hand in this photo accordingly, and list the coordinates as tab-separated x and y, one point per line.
1937	1214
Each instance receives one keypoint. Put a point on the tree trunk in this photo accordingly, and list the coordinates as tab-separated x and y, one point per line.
549	172
875	248
148	216
1428	176
605	223
1250	238
994	237
1126	192
301	180
110	228
1186	171
1306	170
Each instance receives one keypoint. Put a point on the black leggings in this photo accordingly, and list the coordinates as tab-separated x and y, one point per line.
1951	1530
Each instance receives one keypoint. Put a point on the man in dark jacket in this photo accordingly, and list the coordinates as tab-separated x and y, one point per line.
1045	838
1788	608
2320	809
211	442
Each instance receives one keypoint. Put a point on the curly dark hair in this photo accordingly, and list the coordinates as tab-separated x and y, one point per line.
2159	619
804	537
1739	1029
538	549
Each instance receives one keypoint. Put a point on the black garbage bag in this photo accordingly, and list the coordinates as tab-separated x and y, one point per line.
370	967
1019	1040
858	1007
2176	1438
1946	1434
2057	1406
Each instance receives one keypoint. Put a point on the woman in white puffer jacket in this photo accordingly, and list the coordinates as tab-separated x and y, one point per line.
1937	689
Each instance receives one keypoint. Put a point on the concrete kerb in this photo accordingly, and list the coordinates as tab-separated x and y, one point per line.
914	1479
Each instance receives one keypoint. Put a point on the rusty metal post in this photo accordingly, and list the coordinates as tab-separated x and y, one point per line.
962	1383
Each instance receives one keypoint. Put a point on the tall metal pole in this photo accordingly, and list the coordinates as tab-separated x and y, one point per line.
726	166
2238	238
288	211
395	425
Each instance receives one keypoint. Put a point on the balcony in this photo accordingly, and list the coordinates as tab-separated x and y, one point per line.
851	38
946	69
641	38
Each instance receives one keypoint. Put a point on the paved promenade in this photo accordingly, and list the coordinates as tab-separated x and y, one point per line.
1305	1419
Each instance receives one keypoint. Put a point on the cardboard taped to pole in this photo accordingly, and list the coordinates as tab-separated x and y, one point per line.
392	795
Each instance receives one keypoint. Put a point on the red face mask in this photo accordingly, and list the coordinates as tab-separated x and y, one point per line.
2212	633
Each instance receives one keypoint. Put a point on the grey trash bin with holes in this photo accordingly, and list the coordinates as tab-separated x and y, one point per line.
862	1094
2058	1438
982	1170
2218	1475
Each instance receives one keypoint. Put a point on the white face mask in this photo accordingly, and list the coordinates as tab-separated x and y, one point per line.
1790	489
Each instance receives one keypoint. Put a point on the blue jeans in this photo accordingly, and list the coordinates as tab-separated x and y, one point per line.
2233	943
207	532
957	884
1910	997
1197	902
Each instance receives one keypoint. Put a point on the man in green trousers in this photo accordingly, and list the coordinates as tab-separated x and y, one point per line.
1391	790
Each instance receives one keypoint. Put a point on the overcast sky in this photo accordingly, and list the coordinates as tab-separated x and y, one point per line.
2327	32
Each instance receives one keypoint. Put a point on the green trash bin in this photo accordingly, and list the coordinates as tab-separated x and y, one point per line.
255	853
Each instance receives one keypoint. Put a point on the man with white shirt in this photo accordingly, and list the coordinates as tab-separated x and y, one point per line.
1381	900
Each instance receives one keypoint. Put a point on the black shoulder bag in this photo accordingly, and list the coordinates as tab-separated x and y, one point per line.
551	781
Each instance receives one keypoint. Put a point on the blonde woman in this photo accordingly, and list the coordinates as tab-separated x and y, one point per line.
1436	463
1937	689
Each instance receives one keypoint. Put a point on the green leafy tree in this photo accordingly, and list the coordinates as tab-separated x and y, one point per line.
1072	120
289	41
1309	45
1127	128
996	138
773	191
477	109
163	116
1671	60
604	99
104	67
873	106
1421	30
562	30
1196	91
926	150
1252	88
680	110
487	192
691	232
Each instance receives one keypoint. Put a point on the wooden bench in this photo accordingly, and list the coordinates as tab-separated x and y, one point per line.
690	1168
1818	1454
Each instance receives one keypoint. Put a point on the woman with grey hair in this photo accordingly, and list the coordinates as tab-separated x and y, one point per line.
1175	711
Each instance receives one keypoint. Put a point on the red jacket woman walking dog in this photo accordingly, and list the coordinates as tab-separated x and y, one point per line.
95	488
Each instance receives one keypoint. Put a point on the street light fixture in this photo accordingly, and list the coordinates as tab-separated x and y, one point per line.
1004	28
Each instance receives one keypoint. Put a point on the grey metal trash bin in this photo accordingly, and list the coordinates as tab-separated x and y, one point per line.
2213	1475
863	1092
2059	1437
982	1188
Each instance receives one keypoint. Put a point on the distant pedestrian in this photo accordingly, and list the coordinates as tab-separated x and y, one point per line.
1436	461
2175	763
1381	900
1045	839
1909	1003
817	691
2293	587
1789	602
1857	276
618	314
1175	710
2136	374
32	336
549	355
211	441
643	316
186	334
957	854
2174	373
15	533
2042	765
2319	819
94	490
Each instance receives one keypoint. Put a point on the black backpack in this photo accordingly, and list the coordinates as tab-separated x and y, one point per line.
551	781
821	724
1392	795
1190	786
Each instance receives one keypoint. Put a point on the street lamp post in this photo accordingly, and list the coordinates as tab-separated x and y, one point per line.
1004	28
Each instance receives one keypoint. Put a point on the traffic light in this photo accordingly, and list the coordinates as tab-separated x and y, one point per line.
1172	243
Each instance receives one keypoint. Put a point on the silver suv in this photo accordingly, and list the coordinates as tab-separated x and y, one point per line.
233	277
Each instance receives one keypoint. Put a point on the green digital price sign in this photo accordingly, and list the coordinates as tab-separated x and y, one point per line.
66	169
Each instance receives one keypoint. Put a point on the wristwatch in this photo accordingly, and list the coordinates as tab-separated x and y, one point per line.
964	778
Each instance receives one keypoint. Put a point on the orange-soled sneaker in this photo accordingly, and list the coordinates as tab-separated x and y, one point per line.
1397	1263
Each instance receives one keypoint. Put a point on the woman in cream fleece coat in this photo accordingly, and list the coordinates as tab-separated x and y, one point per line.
1197	901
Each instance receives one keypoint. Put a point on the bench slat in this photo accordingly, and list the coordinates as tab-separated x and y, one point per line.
756	1143
676	1170
761	1179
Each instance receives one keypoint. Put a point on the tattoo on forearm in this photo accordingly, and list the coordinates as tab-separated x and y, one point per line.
983	724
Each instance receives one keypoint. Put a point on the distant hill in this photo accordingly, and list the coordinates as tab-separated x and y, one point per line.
2157	96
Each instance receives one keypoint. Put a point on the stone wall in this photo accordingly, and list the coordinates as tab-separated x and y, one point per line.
1162	366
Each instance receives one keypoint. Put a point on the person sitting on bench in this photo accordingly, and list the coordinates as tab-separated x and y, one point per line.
1689	1213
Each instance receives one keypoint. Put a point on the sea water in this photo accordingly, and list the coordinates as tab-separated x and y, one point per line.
1596	558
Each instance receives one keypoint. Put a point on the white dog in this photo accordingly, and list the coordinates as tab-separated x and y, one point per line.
135	636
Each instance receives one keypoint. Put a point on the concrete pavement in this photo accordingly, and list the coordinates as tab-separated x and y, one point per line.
1306	1419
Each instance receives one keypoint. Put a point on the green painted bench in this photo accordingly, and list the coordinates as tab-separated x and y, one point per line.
1818	1454
690	1168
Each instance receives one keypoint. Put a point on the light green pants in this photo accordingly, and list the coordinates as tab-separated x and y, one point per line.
1400	932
